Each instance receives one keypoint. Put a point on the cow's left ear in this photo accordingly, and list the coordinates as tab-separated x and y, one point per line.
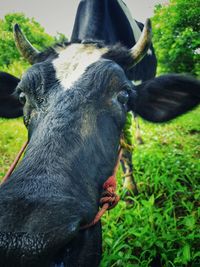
10	107
164	98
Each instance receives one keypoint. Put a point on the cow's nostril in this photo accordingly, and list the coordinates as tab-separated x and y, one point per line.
123	97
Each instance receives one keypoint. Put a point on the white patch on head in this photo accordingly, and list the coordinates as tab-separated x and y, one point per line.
73	61
138	82
149	52
135	28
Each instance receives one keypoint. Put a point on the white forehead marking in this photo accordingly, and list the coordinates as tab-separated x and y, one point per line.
138	82
149	52
73	61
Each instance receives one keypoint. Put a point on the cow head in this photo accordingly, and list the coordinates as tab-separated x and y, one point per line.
74	104
97	74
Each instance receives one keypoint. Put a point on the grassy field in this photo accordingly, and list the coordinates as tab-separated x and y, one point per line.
161	225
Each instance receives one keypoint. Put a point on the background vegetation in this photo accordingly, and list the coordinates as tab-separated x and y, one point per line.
176	36
160	226
10	59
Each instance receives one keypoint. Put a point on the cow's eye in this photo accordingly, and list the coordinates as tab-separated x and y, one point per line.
123	97
22	98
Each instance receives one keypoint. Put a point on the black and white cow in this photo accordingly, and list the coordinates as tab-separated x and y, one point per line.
75	101
105	22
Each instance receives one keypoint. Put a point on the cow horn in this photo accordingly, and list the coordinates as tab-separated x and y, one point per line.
139	50
25	47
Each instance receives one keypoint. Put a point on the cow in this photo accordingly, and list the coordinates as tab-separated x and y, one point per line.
107	23
75	100
111	22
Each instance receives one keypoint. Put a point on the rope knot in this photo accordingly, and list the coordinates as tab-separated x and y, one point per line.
109	196
110	183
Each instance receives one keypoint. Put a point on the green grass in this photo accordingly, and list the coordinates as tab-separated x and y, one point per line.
163	220
12	136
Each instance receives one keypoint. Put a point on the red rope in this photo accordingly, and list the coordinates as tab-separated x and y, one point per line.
109	197
14	164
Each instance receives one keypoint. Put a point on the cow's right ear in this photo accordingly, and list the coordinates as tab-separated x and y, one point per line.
165	97
10	107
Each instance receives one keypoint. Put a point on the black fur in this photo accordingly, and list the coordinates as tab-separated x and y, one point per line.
106	21
49	53
121	55
10	106
165	97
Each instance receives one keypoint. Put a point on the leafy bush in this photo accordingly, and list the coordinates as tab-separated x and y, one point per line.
10	58
176	36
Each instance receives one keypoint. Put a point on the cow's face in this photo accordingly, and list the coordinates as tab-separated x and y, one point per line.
88	79
80	86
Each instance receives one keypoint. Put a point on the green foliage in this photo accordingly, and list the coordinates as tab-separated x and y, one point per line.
10	59
12	135
128	129
176	36
163	220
